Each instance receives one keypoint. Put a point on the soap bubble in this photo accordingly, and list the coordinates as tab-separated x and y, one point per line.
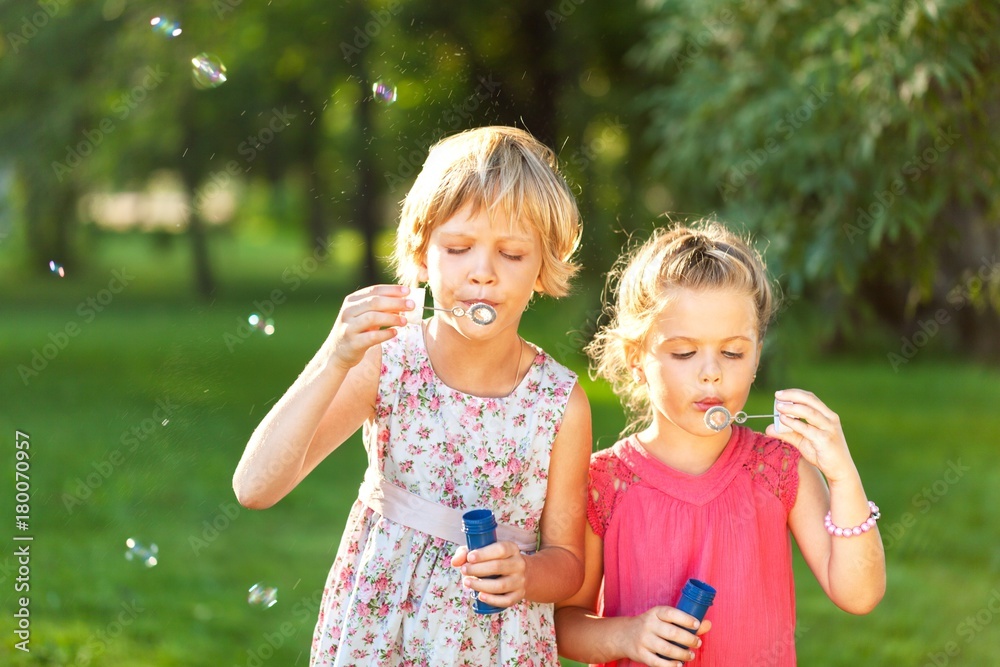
57	269
482	313
165	26
262	596
261	324
208	71
136	551
384	92
717	418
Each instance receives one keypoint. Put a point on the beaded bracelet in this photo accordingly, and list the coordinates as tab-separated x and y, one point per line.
857	530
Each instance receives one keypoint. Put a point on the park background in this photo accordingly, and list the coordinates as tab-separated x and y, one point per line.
856	141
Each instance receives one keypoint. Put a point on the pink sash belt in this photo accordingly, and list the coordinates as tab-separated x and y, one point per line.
408	509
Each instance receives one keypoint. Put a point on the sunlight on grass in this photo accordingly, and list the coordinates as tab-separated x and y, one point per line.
137	424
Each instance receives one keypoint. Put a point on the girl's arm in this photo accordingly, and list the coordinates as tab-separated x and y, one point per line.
851	570
328	402
584	636
555	571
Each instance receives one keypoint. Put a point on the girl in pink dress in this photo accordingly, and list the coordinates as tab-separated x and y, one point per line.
457	415
679	500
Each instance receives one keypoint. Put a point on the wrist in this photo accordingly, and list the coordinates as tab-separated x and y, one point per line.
846	477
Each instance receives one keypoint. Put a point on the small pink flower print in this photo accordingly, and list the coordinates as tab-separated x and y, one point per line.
514	466
426	373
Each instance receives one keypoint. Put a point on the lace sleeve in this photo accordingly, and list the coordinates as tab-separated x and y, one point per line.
609	479
775	465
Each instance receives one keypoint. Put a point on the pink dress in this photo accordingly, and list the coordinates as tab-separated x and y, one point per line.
727	527
392	596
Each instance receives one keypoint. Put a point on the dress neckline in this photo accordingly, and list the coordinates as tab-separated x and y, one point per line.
695	489
419	331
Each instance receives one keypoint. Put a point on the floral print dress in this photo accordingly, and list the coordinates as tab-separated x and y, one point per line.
392	596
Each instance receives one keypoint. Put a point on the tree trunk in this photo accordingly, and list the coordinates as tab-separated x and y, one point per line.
204	282
50	213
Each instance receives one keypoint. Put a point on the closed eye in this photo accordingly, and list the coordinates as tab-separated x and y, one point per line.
455	251
516	258
733	355
682	355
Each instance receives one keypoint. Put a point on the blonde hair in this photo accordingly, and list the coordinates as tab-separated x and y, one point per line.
492	167
704	255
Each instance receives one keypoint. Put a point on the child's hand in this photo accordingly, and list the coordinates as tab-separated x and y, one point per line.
650	634
502	559
819	438
361	321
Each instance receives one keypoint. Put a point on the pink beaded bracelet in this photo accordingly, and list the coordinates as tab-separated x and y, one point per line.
857	530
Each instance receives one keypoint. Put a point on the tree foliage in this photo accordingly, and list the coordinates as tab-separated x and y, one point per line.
854	137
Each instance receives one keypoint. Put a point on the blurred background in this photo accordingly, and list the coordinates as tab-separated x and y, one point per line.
189	190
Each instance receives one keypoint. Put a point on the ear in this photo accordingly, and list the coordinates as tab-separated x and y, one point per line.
538	285
422	276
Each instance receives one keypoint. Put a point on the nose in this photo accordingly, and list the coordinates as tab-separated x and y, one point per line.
711	371
483	271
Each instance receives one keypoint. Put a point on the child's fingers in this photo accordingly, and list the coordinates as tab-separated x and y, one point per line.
499	558
495	551
705	626
502	592
823	419
801	397
504	601
675	616
377	290
649	636
460	556
382	305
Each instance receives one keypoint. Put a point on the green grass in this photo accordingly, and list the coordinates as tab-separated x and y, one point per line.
153	343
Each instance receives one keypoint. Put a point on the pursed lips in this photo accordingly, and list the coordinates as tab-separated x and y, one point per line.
704	404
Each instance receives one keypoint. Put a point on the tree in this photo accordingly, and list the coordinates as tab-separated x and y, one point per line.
853	137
